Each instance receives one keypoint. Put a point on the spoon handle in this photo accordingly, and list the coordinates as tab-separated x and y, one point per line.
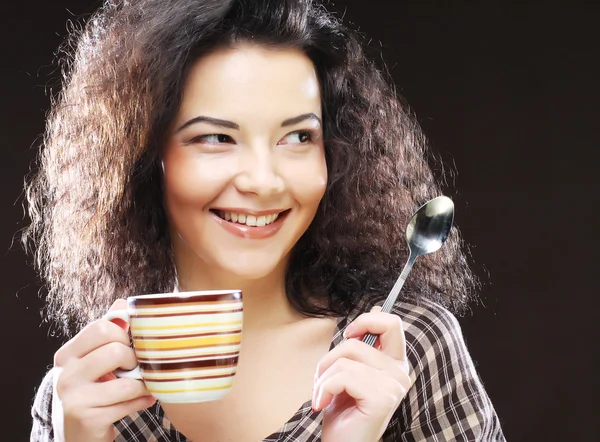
369	338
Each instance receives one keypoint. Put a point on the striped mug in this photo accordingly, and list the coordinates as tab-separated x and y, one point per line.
186	343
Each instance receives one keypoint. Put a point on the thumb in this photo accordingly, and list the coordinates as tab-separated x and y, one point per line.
119	304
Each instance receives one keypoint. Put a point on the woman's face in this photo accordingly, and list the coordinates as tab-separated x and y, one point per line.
244	163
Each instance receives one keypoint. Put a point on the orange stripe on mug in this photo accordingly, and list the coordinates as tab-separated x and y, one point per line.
149	344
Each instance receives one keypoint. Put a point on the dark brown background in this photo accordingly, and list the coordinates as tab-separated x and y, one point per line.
505	93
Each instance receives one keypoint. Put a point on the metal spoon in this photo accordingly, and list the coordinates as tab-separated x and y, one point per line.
426	232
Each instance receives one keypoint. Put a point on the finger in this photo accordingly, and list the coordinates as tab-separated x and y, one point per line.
358	351
387	326
333	382
103	360
105	394
377	343
370	391
91	337
118	411
94	367
115	392
81	408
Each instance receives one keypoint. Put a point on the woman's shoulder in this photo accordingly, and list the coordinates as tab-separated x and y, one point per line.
426	320
434	338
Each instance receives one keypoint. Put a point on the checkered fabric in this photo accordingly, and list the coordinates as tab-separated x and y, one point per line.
447	401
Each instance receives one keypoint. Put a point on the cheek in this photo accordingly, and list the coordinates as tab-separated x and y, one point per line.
188	179
320	176
310	181
319	185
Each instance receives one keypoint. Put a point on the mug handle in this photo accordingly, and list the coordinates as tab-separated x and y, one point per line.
124	316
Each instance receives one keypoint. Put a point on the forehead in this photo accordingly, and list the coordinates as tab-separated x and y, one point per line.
250	81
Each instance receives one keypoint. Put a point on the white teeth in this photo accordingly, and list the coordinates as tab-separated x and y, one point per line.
249	220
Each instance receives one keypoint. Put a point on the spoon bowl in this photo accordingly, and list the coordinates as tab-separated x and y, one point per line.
430	225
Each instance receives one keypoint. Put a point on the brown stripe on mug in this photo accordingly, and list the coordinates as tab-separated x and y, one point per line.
141	301
184	358
187	304
205	363
186	370
194	378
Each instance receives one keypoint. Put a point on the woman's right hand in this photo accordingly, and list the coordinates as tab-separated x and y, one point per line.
92	397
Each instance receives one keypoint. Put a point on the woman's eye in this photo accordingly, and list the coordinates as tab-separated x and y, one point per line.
299	137
212	139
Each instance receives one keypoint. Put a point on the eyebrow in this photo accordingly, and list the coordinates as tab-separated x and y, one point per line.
232	125
210	120
300	118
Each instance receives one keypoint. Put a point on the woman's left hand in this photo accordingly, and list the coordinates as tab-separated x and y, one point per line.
359	387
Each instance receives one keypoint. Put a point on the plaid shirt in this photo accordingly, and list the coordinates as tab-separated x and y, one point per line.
447	401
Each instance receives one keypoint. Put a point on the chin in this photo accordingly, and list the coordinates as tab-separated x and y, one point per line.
249	273
251	268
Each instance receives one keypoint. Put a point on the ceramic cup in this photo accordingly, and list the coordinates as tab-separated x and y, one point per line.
186	343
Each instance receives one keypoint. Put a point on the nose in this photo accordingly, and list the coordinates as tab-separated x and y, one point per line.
259	174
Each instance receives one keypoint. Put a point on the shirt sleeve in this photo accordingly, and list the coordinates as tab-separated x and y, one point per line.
41	412
447	401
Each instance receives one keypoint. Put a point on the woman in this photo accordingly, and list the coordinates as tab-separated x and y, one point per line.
208	144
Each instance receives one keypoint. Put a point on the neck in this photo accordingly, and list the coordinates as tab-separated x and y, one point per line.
265	302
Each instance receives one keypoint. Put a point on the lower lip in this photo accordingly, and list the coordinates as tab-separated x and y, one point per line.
248	232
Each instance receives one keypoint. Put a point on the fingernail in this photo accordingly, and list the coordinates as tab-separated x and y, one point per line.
316	399
347	331
315	406
317	403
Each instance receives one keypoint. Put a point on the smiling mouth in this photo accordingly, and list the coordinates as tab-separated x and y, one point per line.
249	220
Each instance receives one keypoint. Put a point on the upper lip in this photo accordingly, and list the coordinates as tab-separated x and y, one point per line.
249	211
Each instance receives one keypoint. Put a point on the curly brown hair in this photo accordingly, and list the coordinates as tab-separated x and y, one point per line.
98	224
